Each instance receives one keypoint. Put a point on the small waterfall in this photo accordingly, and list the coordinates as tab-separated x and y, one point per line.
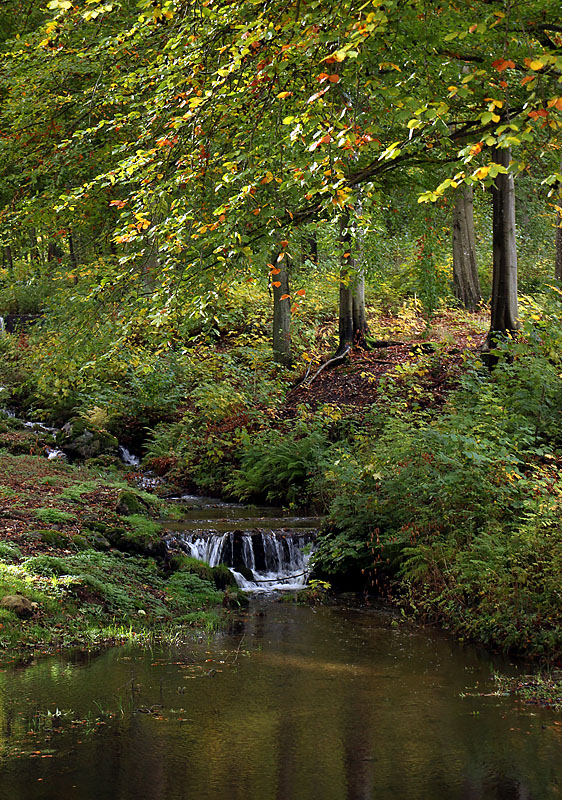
261	561
127	457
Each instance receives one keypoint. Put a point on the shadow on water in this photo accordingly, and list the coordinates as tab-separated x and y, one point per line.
292	703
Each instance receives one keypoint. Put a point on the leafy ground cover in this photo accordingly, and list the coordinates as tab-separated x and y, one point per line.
90	572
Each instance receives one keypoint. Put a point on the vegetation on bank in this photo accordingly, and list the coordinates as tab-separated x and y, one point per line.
77	568
439	477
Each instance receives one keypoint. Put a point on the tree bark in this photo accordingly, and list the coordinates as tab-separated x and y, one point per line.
465	272
281	313
346	326
8	260
558	262
360	325
504	287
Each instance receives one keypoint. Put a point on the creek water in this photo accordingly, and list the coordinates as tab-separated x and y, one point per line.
292	703
264	548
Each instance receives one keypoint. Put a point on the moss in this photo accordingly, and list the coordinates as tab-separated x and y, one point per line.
55	538
74	493
130	503
9	552
53	515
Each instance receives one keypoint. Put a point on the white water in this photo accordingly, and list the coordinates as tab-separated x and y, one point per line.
284	564
127	457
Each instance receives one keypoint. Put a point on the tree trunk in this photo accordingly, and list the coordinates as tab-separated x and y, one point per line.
281	313
8	260
558	262
73	258
504	287
346	327
465	272
360	325
309	250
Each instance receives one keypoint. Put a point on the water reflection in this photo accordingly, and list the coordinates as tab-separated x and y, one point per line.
293	704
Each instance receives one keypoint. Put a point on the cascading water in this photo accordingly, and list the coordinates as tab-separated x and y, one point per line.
264	554
260	561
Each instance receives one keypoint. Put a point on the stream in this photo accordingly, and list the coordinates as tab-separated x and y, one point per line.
291	703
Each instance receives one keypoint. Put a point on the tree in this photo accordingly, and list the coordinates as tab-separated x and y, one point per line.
465	271
504	291
281	308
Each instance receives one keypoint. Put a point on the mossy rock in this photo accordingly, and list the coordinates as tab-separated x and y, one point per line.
107	461
81	542
98	541
96	525
235	598
220	575
145	540
18	605
129	503
49	536
82	440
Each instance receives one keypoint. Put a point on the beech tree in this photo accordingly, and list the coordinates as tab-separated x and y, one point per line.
213	130
465	271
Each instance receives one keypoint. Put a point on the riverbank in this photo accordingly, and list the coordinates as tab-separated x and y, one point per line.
439	478
83	561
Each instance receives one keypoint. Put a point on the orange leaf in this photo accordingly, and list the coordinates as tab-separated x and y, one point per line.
275	271
334	78
301	292
285	296
276	283
284	243
527	79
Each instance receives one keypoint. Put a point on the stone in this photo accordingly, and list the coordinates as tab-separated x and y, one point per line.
82	440
19	605
129	503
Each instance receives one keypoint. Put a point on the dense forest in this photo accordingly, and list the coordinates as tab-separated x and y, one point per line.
299	253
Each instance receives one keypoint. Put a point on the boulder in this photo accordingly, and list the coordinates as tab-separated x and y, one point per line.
19	605
129	503
82	440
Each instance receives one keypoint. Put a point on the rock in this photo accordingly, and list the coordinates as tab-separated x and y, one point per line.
82	440
81	542
55	539
19	605
98	541
129	503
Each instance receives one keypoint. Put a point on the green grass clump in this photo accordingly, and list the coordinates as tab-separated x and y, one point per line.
53	515
9	552
187	589
74	493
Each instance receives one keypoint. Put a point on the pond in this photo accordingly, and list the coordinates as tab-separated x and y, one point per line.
293	703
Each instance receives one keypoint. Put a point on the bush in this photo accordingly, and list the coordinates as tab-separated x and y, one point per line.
277	465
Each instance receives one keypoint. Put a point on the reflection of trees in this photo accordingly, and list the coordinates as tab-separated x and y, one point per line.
328	705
